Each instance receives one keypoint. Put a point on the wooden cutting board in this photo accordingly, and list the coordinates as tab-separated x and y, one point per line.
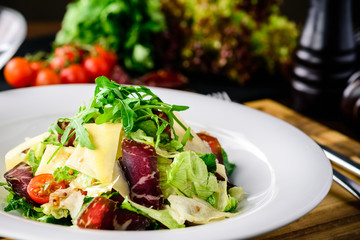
338	215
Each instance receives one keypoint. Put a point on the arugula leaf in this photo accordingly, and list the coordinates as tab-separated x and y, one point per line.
228	165
33	161
51	219
35	154
130	105
135	104
186	136
81	134
15	202
210	161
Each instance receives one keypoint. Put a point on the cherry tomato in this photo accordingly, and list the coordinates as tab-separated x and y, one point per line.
41	186
96	66
64	56
75	73
18	72
59	62
47	76
36	66
70	52
108	55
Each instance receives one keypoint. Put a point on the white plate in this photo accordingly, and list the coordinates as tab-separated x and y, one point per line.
283	171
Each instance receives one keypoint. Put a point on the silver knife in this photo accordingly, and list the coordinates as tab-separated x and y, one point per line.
342	160
347	183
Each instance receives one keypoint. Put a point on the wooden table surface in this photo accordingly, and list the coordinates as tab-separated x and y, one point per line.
338	215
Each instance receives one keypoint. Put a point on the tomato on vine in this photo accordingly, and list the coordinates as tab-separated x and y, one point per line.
75	73
96	66
18	72
108	55
47	76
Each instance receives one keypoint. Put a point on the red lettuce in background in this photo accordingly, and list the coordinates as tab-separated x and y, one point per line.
232	38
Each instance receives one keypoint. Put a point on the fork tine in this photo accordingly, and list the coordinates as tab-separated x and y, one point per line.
220	95
226	96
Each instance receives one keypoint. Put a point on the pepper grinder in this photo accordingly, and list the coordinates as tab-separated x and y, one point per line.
325	58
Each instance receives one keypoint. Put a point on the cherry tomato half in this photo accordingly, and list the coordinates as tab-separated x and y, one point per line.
18	72
47	76
41	186
75	73
96	66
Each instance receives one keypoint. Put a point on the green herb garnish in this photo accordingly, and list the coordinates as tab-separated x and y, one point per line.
114	103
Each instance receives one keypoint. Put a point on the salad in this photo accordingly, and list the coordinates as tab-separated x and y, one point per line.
124	161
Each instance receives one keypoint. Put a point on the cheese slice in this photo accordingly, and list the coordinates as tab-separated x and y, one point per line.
98	163
121	185
194	144
221	170
16	155
58	160
119	153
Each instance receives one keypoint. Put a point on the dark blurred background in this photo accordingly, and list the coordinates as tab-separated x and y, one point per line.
53	11
42	10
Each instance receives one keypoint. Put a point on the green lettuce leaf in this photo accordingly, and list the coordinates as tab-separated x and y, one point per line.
164	166
189	175
64	173
141	136
195	210
162	216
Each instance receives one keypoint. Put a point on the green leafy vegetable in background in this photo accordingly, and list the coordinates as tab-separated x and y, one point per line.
124	25
275	41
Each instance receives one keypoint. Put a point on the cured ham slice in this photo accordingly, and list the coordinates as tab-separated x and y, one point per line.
128	220
139	163
103	213
18	178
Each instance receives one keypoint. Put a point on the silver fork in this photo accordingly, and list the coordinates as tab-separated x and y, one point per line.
220	95
342	180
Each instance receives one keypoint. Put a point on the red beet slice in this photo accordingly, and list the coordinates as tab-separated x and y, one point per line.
139	163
